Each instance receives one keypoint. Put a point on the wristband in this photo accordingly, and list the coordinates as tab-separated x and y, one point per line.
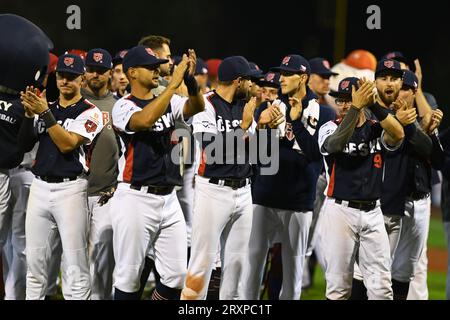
48	118
379	112
191	84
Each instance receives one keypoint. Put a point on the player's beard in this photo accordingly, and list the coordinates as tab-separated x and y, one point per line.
388	100
96	86
242	94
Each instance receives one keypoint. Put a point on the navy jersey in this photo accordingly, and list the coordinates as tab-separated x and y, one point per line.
145	157
11	115
219	120
300	162
356	172
82	118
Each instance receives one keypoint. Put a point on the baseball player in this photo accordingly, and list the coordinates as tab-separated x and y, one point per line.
19	66
161	47
407	181
58	194
119	81
283	202
103	173
270	86
222	185
352	219
145	211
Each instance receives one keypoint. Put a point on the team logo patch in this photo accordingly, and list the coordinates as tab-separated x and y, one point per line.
98	56
344	84
68	61
270	76
286	60
289	132
389	64
90	126
326	64
302	68
150	51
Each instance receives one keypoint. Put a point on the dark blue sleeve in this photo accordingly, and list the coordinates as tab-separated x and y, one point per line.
307	142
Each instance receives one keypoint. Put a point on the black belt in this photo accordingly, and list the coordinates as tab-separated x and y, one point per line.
158	190
360	205
54	179
418	195
233	183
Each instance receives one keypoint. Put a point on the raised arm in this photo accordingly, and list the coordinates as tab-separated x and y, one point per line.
146	118
65	141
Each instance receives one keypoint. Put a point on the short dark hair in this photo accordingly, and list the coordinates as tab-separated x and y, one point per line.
154	42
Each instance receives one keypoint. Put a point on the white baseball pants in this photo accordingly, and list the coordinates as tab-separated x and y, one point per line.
348	232
221	215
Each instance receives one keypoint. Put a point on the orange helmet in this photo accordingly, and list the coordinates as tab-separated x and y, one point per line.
361	59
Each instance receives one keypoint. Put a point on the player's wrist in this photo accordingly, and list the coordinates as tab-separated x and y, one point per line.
48	118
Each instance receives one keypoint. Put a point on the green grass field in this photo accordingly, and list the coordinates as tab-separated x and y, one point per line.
436	280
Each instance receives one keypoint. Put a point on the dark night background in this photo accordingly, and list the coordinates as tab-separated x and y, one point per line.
261	31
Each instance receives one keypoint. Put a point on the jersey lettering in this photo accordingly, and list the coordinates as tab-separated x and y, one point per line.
5	105
227	125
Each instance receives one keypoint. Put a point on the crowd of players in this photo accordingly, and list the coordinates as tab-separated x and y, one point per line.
359	145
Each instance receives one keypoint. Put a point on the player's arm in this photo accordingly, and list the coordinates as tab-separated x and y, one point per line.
64	140
336	142
195	103
147	116
393	129
423	106
361	98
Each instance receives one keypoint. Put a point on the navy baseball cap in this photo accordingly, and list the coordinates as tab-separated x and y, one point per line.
255	72
99	58
118	58
294	63
410	80
271	79
141	56
233	67
345	88
398	56
70	63
389	66
321	67
200	67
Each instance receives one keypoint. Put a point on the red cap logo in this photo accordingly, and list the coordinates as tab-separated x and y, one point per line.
389	64
150	51
98	56
286	60
68	61
326	64
344	84
270	76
